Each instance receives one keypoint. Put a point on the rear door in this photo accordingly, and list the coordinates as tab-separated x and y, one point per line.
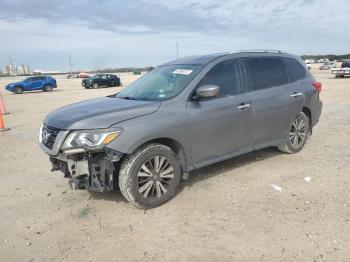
103	80
273	103
221	125
40	82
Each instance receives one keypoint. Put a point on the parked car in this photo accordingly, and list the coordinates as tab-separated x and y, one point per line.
101	80
45	83
327	65
345	63
181	116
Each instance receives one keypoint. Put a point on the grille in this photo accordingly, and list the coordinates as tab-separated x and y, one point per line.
49	135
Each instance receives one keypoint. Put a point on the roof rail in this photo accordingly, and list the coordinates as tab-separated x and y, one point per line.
260	51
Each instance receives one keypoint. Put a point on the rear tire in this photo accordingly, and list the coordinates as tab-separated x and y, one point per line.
95	85
18	90
47	88
150	176
298	134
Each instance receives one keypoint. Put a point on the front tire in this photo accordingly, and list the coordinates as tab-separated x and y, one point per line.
150	176
18	90
298	134
95	85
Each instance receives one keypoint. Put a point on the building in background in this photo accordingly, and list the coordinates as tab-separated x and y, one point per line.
11	70
24	70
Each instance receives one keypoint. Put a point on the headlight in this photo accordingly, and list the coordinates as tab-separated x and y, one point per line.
93	139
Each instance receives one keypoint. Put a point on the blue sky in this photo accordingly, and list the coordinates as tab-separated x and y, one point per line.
106	33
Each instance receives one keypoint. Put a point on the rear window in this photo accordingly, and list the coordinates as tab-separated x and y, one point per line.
295	70
265	72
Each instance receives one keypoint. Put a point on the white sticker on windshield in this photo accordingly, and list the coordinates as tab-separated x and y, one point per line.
161	95
182	71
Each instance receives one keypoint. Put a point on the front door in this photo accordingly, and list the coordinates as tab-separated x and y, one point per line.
222	125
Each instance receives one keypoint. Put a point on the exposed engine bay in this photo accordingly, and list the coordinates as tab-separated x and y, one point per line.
93	171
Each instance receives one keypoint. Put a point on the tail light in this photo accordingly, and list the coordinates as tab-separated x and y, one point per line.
317	85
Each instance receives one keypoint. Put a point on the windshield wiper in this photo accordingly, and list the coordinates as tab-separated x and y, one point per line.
127	97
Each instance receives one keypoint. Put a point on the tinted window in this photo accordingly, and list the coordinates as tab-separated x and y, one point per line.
226	75
295	70
103	77
265	72
345	64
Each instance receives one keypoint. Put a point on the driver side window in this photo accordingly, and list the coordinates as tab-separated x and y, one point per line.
226	75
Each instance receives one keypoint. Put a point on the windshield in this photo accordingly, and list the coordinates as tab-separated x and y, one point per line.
161	83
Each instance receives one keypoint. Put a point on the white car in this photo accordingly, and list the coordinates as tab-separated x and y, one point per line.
327	66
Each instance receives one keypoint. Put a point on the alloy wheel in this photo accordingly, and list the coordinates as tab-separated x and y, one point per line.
154	177
298	133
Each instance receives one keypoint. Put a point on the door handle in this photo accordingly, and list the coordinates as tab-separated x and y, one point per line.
296	94
243	106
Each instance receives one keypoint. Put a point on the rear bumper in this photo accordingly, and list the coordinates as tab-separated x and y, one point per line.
317	110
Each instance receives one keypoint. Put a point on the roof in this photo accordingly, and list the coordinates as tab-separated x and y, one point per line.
196	60
206	59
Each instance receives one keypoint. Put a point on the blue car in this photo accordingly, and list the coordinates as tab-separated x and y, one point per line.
45	83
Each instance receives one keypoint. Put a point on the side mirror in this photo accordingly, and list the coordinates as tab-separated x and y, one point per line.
207	91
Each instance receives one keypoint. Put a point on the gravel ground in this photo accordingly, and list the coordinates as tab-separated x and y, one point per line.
225	212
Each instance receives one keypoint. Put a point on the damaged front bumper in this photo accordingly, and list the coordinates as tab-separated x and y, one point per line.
93	171
90	169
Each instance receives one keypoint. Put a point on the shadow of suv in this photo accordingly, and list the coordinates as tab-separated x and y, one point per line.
183	115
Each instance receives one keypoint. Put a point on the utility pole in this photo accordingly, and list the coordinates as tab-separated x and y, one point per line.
177	50
70	64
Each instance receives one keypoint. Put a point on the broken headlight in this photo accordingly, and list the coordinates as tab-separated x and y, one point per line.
90	139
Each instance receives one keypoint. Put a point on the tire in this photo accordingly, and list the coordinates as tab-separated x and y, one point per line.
145	185
95	85
18	90
47	88
298	134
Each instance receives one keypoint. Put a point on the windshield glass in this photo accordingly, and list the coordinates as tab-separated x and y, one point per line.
160	84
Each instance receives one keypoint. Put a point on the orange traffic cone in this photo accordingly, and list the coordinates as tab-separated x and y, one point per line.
2	124
2	106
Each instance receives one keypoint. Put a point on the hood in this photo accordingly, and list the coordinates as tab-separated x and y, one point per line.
99	113
16	83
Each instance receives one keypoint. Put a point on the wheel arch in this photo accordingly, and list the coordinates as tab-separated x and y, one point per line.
174	145
307	112
20	86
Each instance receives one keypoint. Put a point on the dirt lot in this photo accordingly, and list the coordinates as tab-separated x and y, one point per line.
226	212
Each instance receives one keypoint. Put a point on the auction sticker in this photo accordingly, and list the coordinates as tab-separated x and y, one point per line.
182	71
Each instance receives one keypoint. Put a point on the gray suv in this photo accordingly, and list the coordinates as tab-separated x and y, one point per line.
183	115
